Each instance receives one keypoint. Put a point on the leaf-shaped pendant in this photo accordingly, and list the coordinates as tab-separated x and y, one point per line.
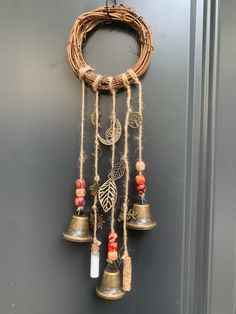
107	195
118	170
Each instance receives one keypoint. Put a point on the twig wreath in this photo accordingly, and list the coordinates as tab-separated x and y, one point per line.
87	22
112	286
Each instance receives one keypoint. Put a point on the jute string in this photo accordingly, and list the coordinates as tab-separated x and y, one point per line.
140	105
81	158
96	145
113	120
127	270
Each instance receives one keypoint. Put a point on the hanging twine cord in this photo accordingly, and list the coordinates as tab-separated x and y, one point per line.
140	105
88	21
96	145
113	120
126	160
127	269
81	158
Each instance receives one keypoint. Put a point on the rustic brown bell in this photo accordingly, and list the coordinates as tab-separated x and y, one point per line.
78	230
110	287
143	218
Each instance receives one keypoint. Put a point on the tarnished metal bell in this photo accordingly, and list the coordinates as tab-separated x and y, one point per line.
110	287
78	230
143	218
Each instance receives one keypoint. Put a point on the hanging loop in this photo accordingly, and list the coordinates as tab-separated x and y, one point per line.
107	8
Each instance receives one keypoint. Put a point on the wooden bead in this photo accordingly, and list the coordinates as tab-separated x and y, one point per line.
80	192
112	255
140	166
140	179
80	183
79	202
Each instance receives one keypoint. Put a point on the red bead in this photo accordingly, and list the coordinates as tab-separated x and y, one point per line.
80	192
141	187
79	202
80	183
142	192
112	246
112	237
140	179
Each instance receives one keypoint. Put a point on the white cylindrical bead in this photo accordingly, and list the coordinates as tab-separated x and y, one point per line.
94	265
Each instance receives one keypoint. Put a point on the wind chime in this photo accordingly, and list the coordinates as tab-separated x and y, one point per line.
105	194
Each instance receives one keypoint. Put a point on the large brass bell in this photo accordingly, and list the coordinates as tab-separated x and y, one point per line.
110	287
143	218
78	230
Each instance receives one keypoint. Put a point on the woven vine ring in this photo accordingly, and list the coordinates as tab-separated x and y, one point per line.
88	21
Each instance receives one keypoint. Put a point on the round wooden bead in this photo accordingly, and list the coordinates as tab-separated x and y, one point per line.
112	255
140	166
140	179
80	192
79	202
80	183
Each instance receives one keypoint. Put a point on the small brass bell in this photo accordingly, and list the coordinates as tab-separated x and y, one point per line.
110	287
78	230
143	218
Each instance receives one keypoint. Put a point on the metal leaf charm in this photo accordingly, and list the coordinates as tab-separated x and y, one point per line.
109	132
118	171
107	195
135	119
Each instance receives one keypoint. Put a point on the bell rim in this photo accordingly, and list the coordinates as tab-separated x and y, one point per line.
115	273
76	239
80	217
141	205
110	297
135	226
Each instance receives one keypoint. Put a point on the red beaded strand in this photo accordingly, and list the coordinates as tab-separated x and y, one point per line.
112	247
80	193
140	179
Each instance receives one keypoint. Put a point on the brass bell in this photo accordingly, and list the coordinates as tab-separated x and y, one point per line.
110	287
78	230
143	218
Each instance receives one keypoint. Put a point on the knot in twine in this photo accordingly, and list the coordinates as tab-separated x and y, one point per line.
133	75
83	70
96	82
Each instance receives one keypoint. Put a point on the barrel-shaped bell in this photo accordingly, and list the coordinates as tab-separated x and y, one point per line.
110	287
143	218
78	230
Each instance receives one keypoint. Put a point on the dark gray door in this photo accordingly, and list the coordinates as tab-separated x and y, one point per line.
175	265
